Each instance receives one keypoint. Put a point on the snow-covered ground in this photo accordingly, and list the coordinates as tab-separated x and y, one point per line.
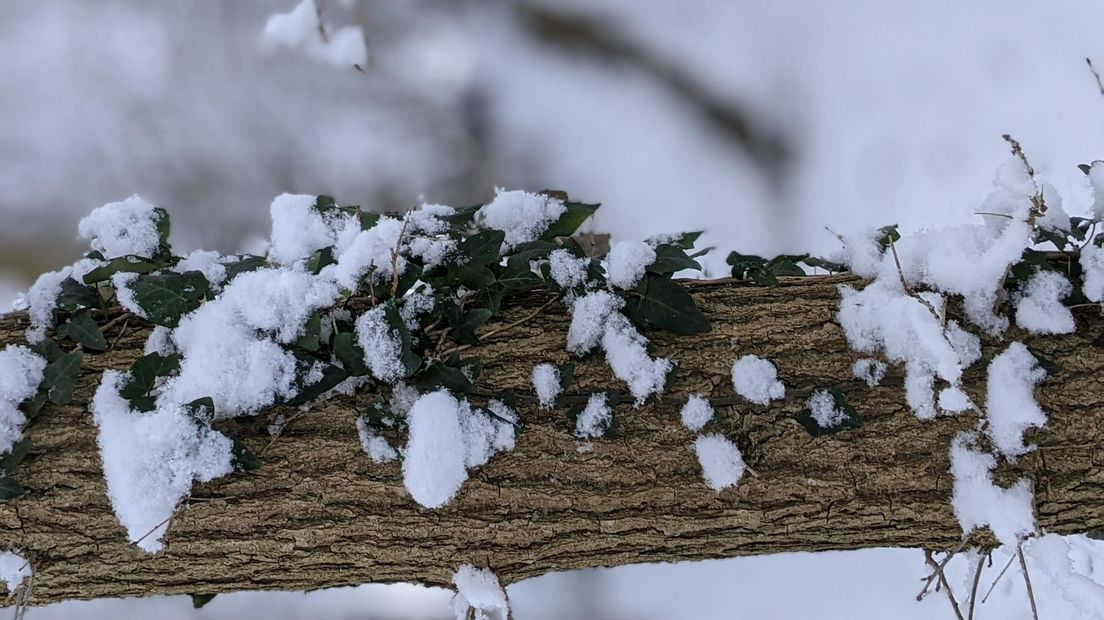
893	113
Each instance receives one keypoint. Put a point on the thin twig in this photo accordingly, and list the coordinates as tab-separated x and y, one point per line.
1027	581
295	416
395	257
115	321
943	582
120	336
974	588
1099	83
499	330
1004	570
940	567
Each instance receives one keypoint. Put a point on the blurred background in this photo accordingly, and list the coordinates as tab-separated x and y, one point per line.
761	123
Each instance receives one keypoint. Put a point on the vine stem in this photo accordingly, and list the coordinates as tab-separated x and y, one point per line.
499	330
1027	581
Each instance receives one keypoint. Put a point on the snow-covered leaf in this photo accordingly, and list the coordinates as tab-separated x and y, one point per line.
574	215
663	304
166	297
81	329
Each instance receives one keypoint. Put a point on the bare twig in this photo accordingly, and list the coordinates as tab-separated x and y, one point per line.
1027	581
974	588
912	293
120	336
125	316
499	330
938	569
943	582
395	257
993	585
295	416
1038	203
1099	83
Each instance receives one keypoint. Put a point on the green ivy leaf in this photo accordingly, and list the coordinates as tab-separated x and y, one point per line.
462	218
199	600
575	213
81	329
320	259
311	338
524	254
165	298
202	410
244	263
122	264
15	456
612	400
670	258
850	421
75	295
331	376
349	353
60	376
10	489
827	265
241	457
144	373
464	325
887	235
410	361
368	219
519	279
482	248
438	375
664	304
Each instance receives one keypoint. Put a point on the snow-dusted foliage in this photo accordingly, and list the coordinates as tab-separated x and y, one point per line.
302	29
595	419
871	371
523	216
568	270
1040	309
123	228
822	407
150	459
627	263
14	568
382	345
979	502
479	596
721	462
1092	265
1010	403
20	373
757	380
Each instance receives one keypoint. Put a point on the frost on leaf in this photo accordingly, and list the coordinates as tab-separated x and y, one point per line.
1010	400
627	262
479	595
20	373
523	216
721	462
567	270
1040	309
150	460
382	345
978	502
123	228
757	380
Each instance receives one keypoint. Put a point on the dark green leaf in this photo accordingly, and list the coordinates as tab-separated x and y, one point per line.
241	457
517	280
463	217
349	353
1086	168
243	264
410	361
665	305
145	371
1050	366
311	340
324	204
199	600
850	421
167	297
368	219
331	376
33	406
10	489
60	376
670	258
320	259
201	410
786	265
164	226
463	328
438	375
10	460
684	241
524	253
122	264
482	248
76	295
827	265
575	213
48	349
81	329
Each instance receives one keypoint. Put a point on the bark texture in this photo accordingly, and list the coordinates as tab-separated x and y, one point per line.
319	513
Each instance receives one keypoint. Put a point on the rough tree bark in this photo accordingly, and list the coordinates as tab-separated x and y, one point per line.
319	513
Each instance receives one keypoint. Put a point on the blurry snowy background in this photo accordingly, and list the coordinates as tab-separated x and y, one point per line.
759	122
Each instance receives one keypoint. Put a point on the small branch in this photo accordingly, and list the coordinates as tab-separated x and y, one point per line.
1096	76
938	572
974	588
1027	581
993	585
120	336
499	330
395	257
125	316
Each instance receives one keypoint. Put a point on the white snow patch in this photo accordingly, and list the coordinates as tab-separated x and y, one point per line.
206	262
377	447
521	215
595	419
1040	309
20	373
14	568
1096	181
300	29
370	251
757	380
478	590
546	383
150	460
1052	555
627	355
822	408
721	462
977	502
696	413
627	262
382	345
1010	399
122	228
121	283
159	341
870	370
589	315
1092	265
567	270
